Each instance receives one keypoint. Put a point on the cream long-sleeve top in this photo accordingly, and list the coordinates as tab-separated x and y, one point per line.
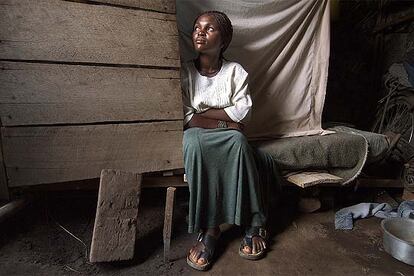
228	89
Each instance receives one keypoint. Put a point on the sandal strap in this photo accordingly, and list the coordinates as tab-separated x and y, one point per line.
209	245
256	231
253	231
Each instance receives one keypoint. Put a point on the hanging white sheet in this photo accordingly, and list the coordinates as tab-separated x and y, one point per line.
284	46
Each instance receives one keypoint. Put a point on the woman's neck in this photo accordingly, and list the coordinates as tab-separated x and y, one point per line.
208	64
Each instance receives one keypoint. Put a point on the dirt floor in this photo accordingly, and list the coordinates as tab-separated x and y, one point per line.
36	241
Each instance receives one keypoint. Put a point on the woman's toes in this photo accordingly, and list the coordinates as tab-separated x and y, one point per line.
247	250
259	247
201	261
254	249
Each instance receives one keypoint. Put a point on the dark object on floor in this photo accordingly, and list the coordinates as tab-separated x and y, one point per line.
309	204
398	238
116	216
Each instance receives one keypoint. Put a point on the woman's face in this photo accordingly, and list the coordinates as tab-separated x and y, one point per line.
206	35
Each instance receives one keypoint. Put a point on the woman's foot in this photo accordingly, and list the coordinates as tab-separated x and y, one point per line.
200	255
253	245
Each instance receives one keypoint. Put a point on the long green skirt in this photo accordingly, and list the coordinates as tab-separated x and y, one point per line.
228	180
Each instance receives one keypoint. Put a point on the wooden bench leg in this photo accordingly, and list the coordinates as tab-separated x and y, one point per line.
168	215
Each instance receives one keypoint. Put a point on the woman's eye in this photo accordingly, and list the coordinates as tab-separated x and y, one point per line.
210	29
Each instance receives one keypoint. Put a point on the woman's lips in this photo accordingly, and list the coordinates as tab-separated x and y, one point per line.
200	41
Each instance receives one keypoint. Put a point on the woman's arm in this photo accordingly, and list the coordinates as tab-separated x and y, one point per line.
203	122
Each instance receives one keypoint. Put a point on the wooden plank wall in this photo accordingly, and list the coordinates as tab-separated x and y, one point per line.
88	85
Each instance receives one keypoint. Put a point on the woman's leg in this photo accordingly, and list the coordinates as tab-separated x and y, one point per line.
193	162
224	183
269	179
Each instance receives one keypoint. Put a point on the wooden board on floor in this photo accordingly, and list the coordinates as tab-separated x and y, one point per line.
53	30
40	155
116	216
167	6
33	94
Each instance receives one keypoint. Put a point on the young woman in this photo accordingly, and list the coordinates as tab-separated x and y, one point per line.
221	167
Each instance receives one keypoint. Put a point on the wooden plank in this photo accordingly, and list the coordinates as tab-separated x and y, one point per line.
12	208
93	184
164	181
65	31
394	19
116	216
167	6
168	216
39	155
33	93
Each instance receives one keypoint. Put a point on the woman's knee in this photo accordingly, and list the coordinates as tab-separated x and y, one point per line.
239	139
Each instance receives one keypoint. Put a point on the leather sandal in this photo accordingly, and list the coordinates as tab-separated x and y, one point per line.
254	231
207	245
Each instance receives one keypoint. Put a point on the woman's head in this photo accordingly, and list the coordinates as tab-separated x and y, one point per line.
212	31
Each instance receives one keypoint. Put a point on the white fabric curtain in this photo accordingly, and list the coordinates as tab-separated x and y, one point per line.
284	46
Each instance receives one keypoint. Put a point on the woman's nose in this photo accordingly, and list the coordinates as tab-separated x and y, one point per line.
201	33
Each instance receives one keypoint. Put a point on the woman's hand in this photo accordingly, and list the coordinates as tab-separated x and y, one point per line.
236	126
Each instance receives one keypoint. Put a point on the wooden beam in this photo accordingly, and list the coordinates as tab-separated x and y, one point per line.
63	31
164	181
40	155
395	19
167	6
116	216
11	208
168	216
34	94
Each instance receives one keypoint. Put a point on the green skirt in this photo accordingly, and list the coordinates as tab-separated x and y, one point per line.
229	181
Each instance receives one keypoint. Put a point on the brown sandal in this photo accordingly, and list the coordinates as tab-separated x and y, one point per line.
208	246
254	231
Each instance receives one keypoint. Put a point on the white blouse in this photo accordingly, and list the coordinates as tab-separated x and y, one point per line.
228	89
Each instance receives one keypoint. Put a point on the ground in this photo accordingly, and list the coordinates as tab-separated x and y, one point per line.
36	241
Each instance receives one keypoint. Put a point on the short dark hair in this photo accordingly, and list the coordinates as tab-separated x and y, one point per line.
224	24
